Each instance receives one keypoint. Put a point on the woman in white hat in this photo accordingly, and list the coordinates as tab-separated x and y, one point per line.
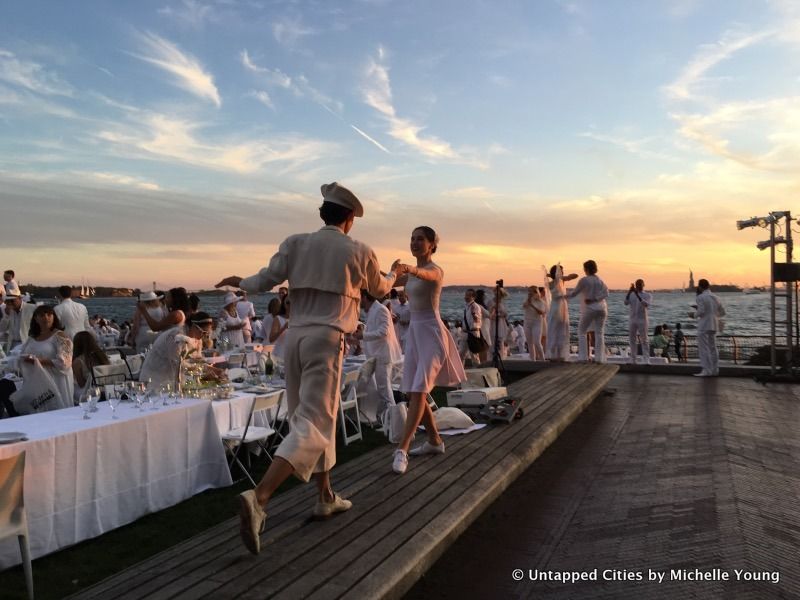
141	335
230	323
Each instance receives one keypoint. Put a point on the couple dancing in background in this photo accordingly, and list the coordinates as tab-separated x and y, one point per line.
593	314
326	271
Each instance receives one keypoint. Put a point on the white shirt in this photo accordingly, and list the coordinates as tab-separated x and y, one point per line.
12	288
592	288
709	312
403	312
638	309
246	311
73	316
472	318
379	338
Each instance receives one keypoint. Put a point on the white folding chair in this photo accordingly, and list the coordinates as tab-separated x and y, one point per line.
365	374
348	407
239	437
134	362
113	373
13	519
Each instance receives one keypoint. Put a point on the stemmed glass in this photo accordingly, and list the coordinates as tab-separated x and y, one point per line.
139	391
85	403
166	392
93	396
113	402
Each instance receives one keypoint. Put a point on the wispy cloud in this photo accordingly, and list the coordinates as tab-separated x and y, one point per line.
288	31
377	93
272	76
189	12
157	135
634	146
31	76
119	179
189	74
707	57
262	97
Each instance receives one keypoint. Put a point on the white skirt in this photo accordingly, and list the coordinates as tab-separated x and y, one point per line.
430	357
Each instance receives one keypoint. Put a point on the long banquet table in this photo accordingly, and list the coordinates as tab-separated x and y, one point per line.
86	477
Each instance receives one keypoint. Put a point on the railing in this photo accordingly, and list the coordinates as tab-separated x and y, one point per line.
739	349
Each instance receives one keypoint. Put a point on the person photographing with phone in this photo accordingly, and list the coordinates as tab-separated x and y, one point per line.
638	302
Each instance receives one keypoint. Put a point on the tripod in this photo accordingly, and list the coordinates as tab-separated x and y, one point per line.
497	361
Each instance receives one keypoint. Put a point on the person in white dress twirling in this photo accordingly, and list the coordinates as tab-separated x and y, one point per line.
558	315
431	356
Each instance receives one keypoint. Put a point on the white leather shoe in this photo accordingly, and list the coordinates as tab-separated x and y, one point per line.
400	462
326	509
427	448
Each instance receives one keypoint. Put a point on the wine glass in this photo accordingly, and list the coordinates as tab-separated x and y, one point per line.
85	403
173	395
139	391
113	402
166	390
94	395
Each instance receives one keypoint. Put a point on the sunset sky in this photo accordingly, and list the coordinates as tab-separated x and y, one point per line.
181	141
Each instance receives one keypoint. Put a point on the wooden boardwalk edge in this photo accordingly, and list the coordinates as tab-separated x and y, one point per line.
396	576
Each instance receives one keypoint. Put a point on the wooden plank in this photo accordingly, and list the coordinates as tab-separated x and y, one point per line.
358	542
215	564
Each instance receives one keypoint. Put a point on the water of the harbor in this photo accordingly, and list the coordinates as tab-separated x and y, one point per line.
747	314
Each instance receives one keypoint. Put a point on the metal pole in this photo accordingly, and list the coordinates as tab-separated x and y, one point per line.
772	353
789	298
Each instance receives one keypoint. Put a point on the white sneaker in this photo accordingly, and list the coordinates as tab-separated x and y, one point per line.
427	448
702	374
400	462
326	509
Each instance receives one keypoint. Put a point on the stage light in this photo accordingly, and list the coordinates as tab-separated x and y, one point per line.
768	243
752	222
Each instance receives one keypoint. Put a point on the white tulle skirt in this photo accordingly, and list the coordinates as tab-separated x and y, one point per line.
430	357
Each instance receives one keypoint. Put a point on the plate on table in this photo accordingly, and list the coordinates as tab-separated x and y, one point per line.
10	437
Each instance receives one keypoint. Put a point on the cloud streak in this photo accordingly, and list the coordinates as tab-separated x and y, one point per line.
186	70
31	75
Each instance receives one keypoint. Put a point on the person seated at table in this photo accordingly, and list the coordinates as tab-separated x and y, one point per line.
231	325
277	333
177	301
162	364
659	342
49	346
86	353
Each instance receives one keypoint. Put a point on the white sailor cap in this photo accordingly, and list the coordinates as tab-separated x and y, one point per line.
338	194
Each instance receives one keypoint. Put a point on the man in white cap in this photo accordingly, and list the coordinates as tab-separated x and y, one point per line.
16	322
73	315
326	271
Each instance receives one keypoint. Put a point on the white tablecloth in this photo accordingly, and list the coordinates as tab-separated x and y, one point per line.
83	478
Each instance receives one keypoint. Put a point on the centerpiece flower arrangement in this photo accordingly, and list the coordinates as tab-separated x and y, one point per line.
191	367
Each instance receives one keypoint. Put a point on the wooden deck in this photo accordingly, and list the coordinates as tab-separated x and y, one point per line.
398	527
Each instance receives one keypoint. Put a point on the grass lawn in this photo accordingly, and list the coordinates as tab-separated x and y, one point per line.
72	569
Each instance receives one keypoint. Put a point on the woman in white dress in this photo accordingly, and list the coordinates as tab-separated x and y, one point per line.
141	334
48	345
431	356
535	310
162	364
558	315
231	325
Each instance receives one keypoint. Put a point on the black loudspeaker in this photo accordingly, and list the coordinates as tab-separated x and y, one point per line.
786	271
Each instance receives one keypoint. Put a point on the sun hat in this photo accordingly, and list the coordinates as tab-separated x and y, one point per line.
338	194
230	298
149	296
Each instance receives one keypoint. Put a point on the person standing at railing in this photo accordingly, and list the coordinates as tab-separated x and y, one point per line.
638	302
709	313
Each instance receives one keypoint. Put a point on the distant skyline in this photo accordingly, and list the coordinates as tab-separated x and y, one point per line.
181	141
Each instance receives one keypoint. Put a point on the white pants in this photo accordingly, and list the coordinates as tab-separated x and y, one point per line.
383	383
313	362
640	329
707	349
593	319
533	335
